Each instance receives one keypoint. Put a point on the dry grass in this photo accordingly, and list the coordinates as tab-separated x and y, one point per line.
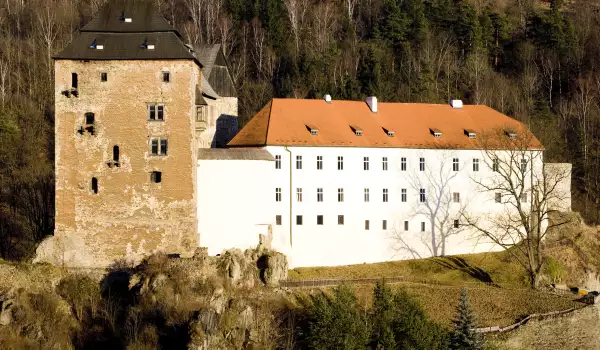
461	268
493	306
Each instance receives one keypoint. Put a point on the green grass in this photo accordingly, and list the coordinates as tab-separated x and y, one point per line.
496	267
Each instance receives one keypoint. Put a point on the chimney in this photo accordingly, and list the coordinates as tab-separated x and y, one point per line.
372	103
327	98
457	104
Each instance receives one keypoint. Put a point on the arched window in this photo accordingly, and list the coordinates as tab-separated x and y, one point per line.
74	80
95	185
116	155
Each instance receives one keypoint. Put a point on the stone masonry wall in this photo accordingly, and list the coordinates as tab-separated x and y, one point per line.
130	216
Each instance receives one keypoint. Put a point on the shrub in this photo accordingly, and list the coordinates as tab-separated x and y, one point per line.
555	270
83	295
399	321
336	322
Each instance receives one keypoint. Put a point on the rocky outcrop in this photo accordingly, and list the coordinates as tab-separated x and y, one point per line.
7	305
274	268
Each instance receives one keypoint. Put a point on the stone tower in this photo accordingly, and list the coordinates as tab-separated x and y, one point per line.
126	102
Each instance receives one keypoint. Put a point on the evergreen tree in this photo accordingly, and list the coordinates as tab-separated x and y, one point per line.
464	337
383	316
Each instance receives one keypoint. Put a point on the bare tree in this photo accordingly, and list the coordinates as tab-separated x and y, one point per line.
437	203
530	194
296	10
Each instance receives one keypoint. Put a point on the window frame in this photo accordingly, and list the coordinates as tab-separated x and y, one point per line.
455	164
496	165
278	161
299	194
406	227
340	162
156	177
278	220
422	164
367	225
278	195
320	194
340	219
422	195
366	163
422	226
103	77
384	225
299	220
298	162
455	197
319	162
498	197
403	164
161	151
367	195
167	75
320	220
475	164
403	195
384	163
340	195
156	112
385	194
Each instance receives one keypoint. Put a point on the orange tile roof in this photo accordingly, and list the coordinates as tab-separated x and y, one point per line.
282	122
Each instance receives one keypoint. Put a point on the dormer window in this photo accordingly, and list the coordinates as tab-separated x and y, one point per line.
390	133
437	133
357	131
150	47
471	134
511	134
96	45
312	129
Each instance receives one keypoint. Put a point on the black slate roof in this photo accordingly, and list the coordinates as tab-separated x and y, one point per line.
126	46
144	18
215	70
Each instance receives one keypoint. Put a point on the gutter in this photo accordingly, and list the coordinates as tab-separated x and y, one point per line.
290	194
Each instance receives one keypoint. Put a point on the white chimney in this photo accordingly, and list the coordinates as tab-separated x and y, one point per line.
456	104
327	98
372	103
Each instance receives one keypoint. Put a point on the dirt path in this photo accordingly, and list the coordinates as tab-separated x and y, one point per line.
579	330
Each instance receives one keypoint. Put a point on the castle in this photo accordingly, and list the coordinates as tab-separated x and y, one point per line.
141	122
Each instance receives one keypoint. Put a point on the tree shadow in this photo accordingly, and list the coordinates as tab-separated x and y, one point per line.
460	264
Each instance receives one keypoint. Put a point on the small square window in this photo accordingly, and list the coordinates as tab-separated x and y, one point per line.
103	76
456	197
384	225
160	112
319	219
405	225
422	226
89	118
340	219
456	224
498	197
298	219
156	176
277	219
366	224
166	77
523	197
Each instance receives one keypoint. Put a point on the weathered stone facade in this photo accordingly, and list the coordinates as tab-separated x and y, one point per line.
130	216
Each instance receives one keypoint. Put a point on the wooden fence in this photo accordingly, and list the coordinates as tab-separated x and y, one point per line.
522	322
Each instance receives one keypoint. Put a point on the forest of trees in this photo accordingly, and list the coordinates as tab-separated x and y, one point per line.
536	61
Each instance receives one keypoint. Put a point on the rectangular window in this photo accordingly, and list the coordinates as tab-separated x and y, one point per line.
298	162
103	76
278	194
319	162
156	112
340	194
405	225
498	197
456	197
277	162
495	164
523	197
319	194
277	219
366	224
366	163
166	77
158	147
319	219
403	163
366	194
455	164
298	219
475	164
384	225
403	194
90	118
340	163
456	224
299	194
385	195
421	164
156	177
422	226
523	165
384	161
160	112
422	197
340	219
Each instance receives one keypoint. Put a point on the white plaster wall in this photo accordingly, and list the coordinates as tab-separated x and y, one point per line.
233	208
562	198
332	244
235	196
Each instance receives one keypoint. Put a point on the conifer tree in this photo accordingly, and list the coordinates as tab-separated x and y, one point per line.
464	336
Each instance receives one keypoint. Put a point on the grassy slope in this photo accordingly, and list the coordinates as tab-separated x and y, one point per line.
493	306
